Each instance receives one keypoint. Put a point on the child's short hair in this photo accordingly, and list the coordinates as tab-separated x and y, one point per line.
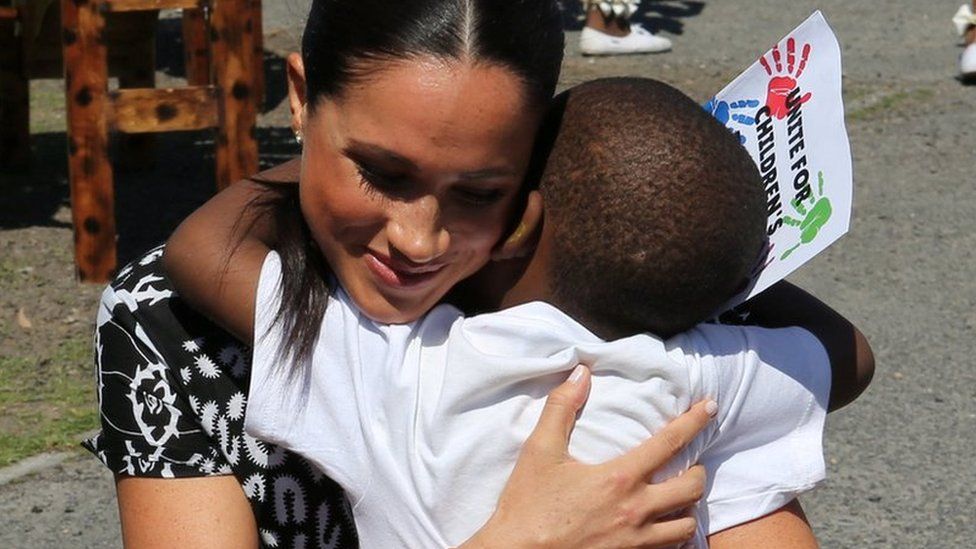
657	211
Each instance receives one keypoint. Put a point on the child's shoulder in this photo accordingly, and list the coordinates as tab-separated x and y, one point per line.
741	360
738	338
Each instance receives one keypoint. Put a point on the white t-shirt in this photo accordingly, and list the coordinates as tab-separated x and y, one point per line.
421	424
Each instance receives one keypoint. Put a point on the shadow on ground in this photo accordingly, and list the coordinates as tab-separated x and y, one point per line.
149	202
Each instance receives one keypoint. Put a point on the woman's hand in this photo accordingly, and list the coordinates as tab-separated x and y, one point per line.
551	500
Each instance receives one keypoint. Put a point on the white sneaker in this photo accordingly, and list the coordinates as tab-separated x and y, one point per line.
967	63
640	40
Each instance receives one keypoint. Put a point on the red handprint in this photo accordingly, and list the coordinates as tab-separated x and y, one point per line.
782	84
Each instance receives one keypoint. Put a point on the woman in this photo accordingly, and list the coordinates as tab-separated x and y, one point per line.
172	384
447	94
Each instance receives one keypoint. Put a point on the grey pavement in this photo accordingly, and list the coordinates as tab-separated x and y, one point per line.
900	459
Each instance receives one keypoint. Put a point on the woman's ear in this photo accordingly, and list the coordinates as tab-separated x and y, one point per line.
523	239
296	91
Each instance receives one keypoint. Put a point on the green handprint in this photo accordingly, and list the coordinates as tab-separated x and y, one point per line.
814	217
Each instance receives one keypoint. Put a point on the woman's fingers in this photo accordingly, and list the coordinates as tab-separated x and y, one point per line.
668	533
668	442
551	500
559	414
675	494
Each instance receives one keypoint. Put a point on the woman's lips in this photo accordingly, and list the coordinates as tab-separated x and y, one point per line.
398	275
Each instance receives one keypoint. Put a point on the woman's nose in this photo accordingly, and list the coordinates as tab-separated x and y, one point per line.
417	231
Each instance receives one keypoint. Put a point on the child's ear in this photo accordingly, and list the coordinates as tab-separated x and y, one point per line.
522	240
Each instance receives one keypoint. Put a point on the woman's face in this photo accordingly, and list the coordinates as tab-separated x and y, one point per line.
411	176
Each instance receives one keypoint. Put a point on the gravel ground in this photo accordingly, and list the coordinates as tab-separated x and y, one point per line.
900	469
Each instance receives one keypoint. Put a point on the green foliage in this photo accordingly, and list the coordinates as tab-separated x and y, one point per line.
46	402
47	107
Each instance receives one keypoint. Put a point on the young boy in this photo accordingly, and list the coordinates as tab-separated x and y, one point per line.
654	216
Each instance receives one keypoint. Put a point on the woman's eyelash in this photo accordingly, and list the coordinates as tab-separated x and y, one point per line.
481	197
374	181
365	175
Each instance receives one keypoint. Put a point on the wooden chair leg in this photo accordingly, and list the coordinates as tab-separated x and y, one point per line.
90	172
196	47
233	63
14	100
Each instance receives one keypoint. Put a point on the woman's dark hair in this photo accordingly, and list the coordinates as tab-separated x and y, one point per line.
344	41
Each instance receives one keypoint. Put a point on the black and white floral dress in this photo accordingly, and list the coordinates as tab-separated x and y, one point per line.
172	390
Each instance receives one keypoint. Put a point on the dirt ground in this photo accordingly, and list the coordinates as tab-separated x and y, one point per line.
899	460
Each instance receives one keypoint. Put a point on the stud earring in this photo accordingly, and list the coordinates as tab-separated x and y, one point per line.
298	137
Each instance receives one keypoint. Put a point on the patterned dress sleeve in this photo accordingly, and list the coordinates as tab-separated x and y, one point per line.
172	392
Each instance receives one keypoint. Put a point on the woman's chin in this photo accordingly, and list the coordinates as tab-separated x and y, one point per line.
390	315
388	309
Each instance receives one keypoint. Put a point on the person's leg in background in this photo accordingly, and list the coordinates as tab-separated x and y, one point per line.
965	22
609	31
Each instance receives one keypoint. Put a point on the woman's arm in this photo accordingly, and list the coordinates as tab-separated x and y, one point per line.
188	512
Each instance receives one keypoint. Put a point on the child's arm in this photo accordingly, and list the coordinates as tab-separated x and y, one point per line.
851	359
786	528
215	256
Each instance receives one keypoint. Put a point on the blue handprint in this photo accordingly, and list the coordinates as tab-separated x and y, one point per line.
725	113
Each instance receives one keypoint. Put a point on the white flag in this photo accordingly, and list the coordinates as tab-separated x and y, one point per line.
788	112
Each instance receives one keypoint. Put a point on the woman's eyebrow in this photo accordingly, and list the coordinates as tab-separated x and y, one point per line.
488	173
359	149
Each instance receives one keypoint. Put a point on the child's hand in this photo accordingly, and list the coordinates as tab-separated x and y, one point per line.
551	500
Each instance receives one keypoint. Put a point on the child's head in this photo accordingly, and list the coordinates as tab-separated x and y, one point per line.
654	213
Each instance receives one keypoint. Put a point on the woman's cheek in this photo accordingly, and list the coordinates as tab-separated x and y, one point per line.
503	221
480	233
334	195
